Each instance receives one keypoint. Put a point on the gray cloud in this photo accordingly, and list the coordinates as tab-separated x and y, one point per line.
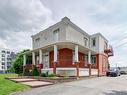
19	20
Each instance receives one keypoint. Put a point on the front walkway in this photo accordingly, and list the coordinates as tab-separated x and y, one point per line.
94	86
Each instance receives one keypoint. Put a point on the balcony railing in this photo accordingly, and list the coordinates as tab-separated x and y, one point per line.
109	51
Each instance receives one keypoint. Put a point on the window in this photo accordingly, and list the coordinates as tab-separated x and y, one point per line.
93	59
8	56
3	51
56	35
8	63
86	58
3	67
3	59
85	41
8	59
8	67
3	55
12	53
37	40
94	42
8	52
3	63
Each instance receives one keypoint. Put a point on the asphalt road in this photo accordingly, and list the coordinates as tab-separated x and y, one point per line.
94	86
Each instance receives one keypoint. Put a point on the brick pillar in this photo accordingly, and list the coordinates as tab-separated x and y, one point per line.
89	69
97	62
77	69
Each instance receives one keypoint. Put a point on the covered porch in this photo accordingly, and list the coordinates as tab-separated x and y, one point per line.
64	59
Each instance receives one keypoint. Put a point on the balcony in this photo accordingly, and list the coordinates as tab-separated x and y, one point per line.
109	51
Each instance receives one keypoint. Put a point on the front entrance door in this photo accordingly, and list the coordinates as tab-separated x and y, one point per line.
46	61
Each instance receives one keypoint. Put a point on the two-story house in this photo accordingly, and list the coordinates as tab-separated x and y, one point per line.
66	49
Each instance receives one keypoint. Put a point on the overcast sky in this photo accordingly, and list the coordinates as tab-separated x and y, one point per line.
19	19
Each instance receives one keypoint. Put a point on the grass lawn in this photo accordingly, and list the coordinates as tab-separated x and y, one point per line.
7	87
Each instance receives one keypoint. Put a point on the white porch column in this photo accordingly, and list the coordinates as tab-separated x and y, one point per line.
55	53
33	58
89	57
76	53
40	56
24	60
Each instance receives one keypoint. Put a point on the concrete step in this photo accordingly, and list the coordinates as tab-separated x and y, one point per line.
35	84
30	82
18	80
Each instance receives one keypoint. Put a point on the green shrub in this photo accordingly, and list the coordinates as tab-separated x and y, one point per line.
45	74
26	72
51	75
21	74
35	71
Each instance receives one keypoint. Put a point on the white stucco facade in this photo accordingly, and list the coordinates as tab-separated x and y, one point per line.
68	32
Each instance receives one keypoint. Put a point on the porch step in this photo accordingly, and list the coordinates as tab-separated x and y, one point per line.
18	80
30	82
35	84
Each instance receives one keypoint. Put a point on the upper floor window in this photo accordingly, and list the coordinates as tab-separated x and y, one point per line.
3	51
3	67
8	67
85	41
8	63
8	52
56	35
3	59
37	40
12	53
3	55
3	63
86	58
93	42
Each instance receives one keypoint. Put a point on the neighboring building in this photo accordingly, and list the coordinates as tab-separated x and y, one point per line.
64	45
6	57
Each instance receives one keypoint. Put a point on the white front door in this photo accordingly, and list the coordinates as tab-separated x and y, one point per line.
46	61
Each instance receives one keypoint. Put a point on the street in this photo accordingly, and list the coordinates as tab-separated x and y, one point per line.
94	86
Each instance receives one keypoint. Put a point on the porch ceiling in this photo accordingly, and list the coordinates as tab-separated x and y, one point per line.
69	45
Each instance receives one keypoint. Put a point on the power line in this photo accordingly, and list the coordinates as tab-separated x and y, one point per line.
121	45
120	40
122	36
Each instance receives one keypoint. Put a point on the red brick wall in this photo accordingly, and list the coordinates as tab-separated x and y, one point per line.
65	58
102	64
81	60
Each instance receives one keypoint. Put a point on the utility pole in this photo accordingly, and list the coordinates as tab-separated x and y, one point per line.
116	65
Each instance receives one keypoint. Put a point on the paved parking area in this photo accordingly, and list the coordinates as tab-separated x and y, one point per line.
95	86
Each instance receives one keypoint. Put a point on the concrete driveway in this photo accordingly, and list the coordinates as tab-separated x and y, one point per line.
95	86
